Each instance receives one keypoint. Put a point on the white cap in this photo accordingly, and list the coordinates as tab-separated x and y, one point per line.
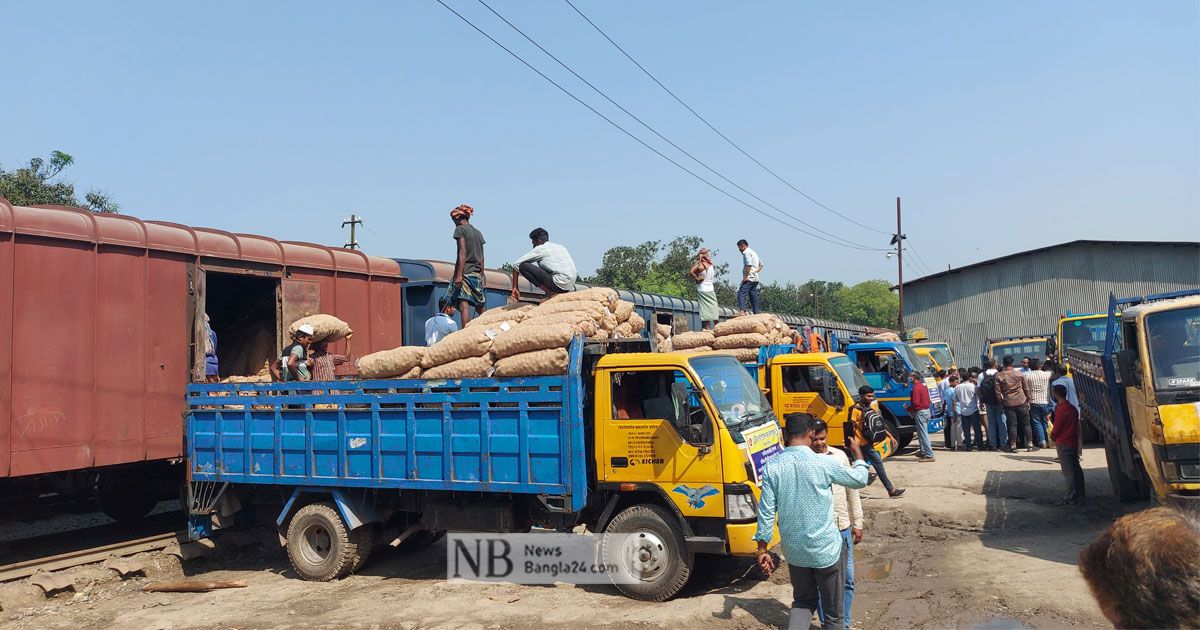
305	329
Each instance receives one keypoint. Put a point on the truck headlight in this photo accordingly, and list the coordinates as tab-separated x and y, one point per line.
739	503
1181	471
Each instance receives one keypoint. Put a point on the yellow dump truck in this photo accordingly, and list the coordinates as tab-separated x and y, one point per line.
1142	390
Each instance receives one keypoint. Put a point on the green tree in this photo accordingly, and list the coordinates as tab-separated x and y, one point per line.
652	266
32	185
870	303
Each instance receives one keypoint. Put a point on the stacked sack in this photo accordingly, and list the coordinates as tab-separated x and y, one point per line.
743	336
694	341
325	328
662	338
515	340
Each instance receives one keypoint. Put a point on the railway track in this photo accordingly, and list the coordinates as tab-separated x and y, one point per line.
72	548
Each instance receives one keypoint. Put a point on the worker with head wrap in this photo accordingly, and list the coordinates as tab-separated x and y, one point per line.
466	288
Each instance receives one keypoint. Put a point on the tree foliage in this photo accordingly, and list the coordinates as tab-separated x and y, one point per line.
655	267
31	185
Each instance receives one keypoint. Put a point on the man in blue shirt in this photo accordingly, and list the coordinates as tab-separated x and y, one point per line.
797	485
441	324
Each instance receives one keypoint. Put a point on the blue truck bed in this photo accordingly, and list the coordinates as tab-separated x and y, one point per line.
522	435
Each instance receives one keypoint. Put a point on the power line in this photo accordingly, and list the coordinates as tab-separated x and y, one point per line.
714	129
845	242
625	131
920	260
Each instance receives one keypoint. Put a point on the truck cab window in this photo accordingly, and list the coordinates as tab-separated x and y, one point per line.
646	395
807	379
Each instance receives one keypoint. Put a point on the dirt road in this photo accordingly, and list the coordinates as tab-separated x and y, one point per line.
975	542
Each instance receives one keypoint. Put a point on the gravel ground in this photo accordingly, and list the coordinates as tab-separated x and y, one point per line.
976	542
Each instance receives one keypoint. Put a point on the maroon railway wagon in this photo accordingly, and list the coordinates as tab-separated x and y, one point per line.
101	329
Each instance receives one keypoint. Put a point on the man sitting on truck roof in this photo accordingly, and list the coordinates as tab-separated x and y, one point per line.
548	266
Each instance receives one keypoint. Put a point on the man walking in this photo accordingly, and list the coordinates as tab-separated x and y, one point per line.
797	486
918	410
748	291
1068	442
966	401
997	431
548	266
704	272
862	415
466	288
1039	401
1013	393
847	510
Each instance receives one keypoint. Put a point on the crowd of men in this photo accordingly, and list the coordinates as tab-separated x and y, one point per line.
1008	409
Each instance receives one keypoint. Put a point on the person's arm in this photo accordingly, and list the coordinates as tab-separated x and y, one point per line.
766	522
533	255
854	477
516	279
460	260
339	359
1025	389
292	364
854	503
276	371
696	272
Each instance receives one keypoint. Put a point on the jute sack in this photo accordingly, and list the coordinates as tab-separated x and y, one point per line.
325	327
596	310
609	322
662	330
547	362
692	350
696	339
638	323
391	363
413	373
739	340
510	313
761	324
664	345
623	310
473	367
582	322
745	355
463	344
604	295
600	334
530	338
624	330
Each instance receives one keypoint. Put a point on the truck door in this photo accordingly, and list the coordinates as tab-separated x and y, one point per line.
655	427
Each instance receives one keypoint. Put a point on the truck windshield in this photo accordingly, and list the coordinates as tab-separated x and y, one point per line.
1086	334
736	395
1175	348
1032	348
850	375
914	360
940	353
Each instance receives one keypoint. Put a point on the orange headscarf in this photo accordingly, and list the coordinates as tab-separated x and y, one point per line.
462	212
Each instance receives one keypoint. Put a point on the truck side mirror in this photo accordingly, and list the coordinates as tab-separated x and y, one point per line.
832	394
897	371
1127	367
679	395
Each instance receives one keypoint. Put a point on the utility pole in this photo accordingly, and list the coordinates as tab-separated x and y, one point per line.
353	221
898	241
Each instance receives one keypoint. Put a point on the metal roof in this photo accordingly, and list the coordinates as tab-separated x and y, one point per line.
77	224
1040	250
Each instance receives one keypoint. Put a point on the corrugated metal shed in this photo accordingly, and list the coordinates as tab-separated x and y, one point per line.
1024	293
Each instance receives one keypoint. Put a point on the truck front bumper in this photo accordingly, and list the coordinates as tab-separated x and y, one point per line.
740	537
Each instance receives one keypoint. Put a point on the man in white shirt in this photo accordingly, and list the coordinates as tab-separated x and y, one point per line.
751	266
966	405
847	510
442	323
548	266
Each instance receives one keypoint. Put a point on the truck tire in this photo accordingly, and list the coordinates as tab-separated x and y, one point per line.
902	440
364	544
1124	487
124	498
320	546
655	553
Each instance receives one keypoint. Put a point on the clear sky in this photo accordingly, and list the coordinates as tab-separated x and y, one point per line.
1003	125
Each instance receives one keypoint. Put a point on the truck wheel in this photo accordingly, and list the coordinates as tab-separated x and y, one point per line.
123	499
655	553
364	543
1124	487
902	440
320	546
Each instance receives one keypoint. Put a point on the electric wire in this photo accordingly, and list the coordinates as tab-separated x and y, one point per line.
630	134
713	128
654	131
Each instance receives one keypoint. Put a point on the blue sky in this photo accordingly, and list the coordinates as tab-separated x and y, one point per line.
1004	126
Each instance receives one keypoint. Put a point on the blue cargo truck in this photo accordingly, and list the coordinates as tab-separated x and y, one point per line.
886	365
667	447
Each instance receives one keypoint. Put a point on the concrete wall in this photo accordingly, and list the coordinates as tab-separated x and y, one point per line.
1024	294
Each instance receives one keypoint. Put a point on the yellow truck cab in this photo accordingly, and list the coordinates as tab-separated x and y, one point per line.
824	384
1145	391
1082	332
1034	347
938	352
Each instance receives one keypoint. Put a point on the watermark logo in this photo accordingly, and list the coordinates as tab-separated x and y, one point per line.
544	558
